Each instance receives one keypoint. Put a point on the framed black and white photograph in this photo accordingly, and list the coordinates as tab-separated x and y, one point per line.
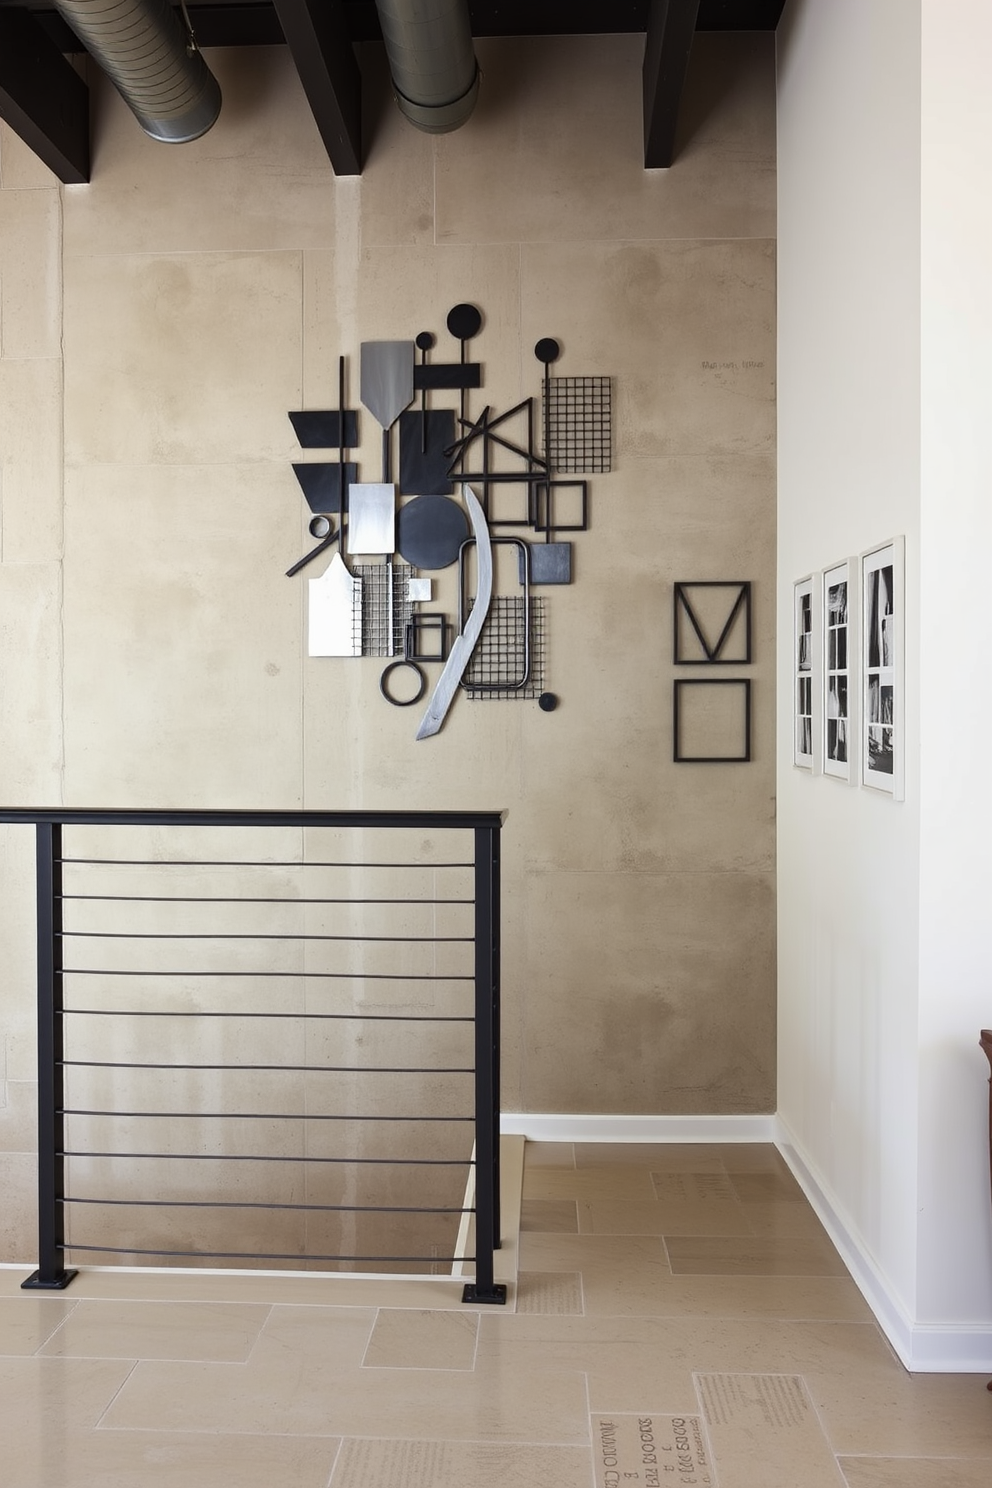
882	661
806	678
841	697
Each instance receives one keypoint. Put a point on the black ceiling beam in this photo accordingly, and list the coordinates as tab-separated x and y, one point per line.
316	32
671	27
43	98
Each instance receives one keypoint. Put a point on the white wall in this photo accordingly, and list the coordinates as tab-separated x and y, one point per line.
955	1225
878	974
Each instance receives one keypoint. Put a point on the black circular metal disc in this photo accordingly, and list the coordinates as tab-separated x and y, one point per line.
425	340
547	350
402	702
464	322
430	530
548	702
319	526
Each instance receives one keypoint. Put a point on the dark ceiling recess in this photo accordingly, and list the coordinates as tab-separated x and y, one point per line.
45	101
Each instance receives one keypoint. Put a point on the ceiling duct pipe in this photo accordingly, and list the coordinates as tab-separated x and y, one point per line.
152	61
432	60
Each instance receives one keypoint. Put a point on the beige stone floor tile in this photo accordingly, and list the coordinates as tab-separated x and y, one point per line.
603	1184
750	1157
27	1320
632	1363
440	1464
659	1157
549	1216
158	1330
312	1392
122	1459
764	1432
549	1292
702	1217
35	1393
754	1188
869	1407
655	1292
641	1448
590	1253
551	1155
409	1339
691	1186
761	1255
786	1217
915	1472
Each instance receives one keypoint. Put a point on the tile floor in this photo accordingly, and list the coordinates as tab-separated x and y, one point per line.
678	1317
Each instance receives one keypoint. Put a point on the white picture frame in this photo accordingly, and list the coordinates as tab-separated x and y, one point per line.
806	663
841	671
883	627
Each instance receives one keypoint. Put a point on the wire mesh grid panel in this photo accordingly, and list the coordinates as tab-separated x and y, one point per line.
267	1050
578	416
385	606
509	657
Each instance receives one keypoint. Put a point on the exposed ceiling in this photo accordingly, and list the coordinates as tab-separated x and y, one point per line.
46	101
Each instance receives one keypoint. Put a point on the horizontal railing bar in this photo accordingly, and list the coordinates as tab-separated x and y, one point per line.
255	1255
226	1157
238	899
337	976
251	863
125	816
312	1017
249	1116
274	1069
218	935
249	1204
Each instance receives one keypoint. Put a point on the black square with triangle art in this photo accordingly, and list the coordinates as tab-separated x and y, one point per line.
711	624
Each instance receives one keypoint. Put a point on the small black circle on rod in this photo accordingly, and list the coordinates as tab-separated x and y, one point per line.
425	340
385	684
464	322
548	702
547	350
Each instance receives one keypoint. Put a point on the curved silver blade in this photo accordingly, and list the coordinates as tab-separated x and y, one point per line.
464	644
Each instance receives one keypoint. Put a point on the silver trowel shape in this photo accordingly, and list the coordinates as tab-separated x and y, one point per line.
465	643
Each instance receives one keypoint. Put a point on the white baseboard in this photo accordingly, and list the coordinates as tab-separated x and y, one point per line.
541	1127
924	1348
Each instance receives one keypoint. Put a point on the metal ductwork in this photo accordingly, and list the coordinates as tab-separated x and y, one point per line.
152	62
432	60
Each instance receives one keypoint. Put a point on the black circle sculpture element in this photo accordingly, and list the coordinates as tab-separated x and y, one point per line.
385	684
425	340
430	530
547	350
548	702
464	322
319	526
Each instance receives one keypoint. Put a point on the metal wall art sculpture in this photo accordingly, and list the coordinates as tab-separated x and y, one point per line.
460	477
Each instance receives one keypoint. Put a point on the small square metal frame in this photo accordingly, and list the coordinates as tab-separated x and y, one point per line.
420	629
710	759
544	507
682	605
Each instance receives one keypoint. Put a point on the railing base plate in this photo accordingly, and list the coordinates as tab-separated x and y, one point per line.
38	1283
497	1295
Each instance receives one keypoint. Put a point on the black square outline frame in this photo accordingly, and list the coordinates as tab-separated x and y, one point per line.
711	655
678	757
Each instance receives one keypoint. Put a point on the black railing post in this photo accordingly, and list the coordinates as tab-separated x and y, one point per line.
485	1288
51	1274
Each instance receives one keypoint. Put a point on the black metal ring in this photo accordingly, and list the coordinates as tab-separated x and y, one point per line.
402	702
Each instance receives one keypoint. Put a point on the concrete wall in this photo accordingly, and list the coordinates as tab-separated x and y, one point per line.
153	651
